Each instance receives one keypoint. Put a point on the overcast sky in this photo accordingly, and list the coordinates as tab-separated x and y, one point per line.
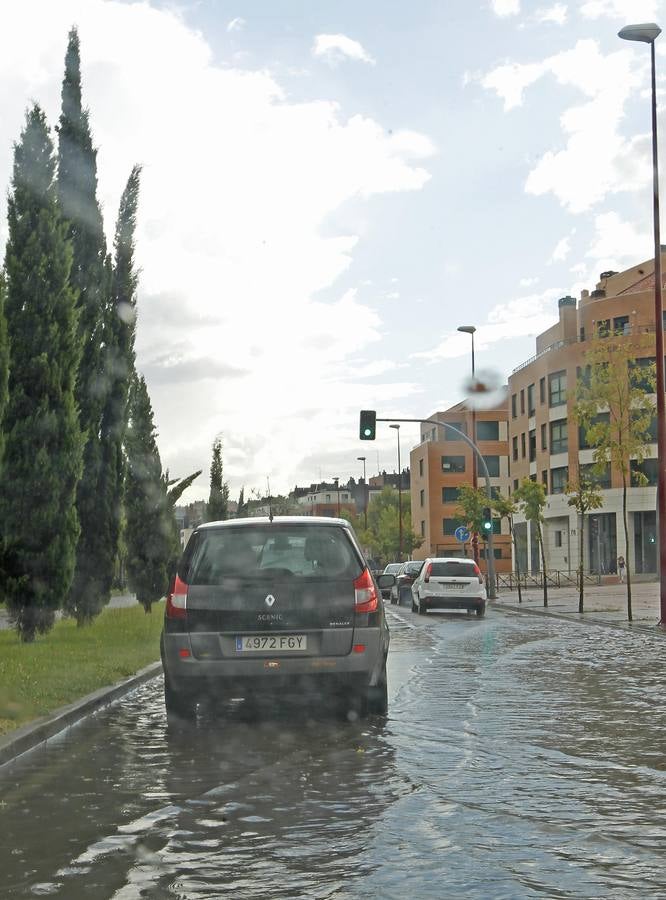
330	188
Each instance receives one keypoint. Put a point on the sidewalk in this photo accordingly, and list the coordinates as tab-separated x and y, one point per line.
606	604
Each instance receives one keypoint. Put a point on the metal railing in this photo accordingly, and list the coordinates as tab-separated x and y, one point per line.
626	331
554	578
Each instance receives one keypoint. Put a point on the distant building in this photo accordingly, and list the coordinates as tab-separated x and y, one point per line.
327	500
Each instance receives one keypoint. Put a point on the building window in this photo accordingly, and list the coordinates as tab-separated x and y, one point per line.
434	434
581	335
422	497
487	431
522	402
514	446
515	484
531	409
559	436
532	445
557	388
493	465
513	406
583	442
603	328
451	435
453	464
450	494
522	445
420	467
544	479
449	527
601	479
542	390
558	479
621	325
422	529
328	498
648	468
544	438
643	380
558	538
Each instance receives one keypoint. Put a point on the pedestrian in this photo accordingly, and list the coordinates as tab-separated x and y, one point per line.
620	567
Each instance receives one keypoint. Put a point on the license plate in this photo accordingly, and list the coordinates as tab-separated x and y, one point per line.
271	642
454	587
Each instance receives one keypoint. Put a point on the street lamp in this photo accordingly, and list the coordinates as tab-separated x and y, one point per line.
470	329
647	34
365	493
397	430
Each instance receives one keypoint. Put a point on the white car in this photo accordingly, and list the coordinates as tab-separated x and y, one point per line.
449	583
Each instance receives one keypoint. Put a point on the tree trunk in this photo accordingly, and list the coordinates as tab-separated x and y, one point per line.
515	547
626	547
581	551
543	564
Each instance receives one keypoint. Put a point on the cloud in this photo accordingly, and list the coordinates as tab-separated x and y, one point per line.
234	237
236	24
626	10
595	158
528	282
562	249
505	7
557	14
618	244
334	48
521	317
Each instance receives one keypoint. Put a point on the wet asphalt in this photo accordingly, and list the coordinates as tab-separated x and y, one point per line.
521	757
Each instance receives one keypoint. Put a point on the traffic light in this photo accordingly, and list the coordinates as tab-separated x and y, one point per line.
368	425
487	523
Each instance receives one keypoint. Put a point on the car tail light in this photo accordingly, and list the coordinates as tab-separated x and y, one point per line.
428	572
477	572
365	595
176	602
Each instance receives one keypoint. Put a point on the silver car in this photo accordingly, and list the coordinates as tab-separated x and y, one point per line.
281	606
449	583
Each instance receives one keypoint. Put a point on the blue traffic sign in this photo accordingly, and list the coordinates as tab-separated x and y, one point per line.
462	534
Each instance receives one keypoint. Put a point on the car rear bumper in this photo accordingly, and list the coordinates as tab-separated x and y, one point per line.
456	602
277	673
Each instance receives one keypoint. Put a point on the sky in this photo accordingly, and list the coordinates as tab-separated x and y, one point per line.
330	188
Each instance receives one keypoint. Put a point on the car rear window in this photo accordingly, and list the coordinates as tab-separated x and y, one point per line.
453	569
412	568
305	552
392	568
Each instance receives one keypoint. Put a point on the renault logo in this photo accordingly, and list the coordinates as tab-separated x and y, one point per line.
270	600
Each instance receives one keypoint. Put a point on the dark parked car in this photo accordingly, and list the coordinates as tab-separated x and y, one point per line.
286	606
401	592
391	569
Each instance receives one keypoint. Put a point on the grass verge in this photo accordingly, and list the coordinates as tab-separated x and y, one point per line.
70	662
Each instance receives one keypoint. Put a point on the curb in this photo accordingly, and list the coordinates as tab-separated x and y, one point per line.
31	735
655	629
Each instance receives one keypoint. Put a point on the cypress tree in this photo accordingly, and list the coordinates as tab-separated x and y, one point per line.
43	439
148	534
4	361
77	196
119	371
218	500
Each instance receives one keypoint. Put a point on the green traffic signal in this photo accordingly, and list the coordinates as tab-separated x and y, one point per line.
487	521
368	425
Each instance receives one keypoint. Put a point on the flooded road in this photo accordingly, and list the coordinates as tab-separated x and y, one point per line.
522	757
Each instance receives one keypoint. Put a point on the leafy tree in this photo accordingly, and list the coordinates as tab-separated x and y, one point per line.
472	503
506	508
44	442
617	385
531	499
218	500
118	359
382	533
149	535
89	277
584	495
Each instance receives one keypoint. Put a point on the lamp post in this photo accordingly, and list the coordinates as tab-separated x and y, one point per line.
365	494
470	329
647	34
397	430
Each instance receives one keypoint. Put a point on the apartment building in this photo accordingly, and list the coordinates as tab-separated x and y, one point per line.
546	445
441	463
